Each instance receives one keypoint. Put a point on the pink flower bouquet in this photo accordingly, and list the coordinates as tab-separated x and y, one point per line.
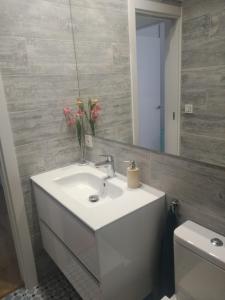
82	118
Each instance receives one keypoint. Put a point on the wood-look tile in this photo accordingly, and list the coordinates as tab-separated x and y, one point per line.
94	24
203	148
210	52
27	92
41	19
38	125
118	5
204	124
13	55
51	57
196	8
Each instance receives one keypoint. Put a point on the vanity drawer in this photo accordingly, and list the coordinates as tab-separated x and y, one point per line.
85	284
75	235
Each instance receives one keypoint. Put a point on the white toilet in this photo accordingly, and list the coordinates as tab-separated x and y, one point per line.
199	263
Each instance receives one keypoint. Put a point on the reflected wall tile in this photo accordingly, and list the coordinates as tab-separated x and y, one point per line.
30	92
195	29
38	125
112	84
193	9
41	19
13	55
213	54
51	57
205	124
112	4
105	25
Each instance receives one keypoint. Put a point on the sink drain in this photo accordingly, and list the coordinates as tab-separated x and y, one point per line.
93	198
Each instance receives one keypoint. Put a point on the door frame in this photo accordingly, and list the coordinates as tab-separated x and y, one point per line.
14	197
154	9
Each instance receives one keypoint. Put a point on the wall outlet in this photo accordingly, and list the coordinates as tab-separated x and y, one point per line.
88	141
188	109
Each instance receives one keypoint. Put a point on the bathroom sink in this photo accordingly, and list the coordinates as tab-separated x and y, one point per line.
88	189
73	185
106	249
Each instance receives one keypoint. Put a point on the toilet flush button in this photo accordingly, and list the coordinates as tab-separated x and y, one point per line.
216	242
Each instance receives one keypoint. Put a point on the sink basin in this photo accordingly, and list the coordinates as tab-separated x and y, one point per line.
72	186
82	185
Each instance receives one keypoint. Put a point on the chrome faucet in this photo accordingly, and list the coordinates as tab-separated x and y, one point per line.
109	163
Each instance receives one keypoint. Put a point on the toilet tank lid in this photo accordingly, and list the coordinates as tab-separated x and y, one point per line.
198	239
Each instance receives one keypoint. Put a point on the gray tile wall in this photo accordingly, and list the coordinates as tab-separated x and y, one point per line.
102	46
203	84
39	77
200	188
37	61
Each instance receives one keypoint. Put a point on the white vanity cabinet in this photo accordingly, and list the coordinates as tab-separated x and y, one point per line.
113	261
72	232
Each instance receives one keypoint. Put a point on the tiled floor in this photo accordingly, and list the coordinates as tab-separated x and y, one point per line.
52	288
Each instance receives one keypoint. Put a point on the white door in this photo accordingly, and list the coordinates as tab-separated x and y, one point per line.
172	88
170	118
149	86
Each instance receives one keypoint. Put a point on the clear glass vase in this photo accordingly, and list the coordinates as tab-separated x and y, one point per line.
82	160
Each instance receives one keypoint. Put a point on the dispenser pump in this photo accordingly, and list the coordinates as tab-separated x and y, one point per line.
132	164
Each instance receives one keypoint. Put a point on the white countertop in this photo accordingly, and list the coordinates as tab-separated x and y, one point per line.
100	215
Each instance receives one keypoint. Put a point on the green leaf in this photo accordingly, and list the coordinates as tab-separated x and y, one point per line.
79	131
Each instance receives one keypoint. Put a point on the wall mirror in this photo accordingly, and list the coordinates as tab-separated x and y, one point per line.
158	70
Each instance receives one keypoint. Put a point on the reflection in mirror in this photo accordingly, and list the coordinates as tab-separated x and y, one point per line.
159	77
155	120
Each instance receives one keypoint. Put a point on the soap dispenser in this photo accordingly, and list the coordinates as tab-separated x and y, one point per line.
133	175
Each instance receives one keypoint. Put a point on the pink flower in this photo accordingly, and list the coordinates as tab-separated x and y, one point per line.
70	116
71	122
71	119
95	112
80	113
66	111
98	107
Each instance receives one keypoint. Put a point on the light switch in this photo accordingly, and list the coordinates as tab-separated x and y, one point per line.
188	109
88	141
